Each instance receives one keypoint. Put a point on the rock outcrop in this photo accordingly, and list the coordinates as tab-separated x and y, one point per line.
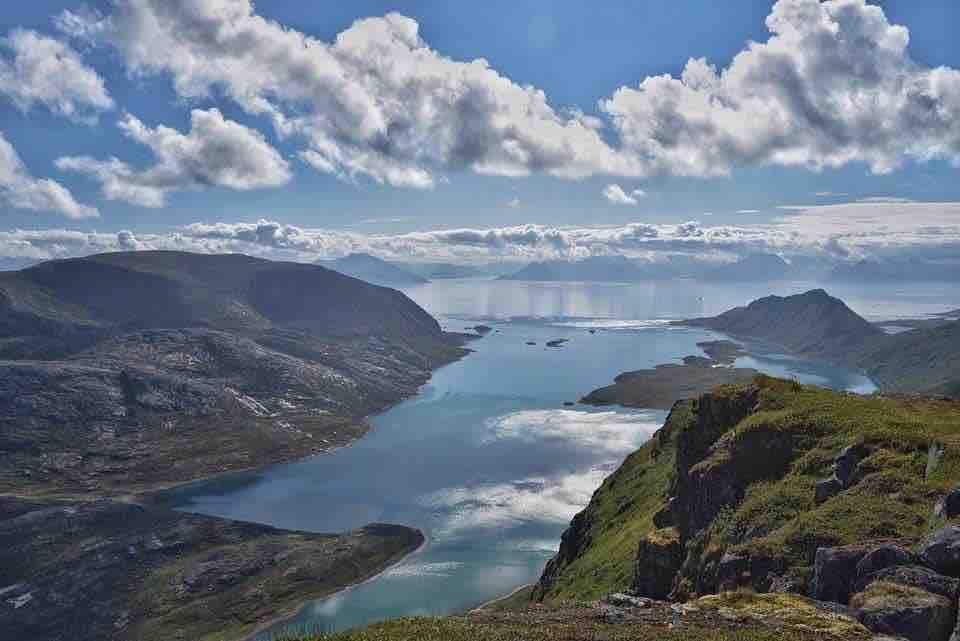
726	496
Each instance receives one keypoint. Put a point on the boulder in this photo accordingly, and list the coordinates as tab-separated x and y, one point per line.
913	576
844	467
911	613
834	572
883	556
846	463
828	488
664	517
949	506
658	560
733	571
941	551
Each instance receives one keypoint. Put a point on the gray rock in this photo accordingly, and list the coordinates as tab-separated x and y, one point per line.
621	600
949	506
916	616
659	558
844	468
914	576
884	556
834	572
664	517
828	488
941	551
846	463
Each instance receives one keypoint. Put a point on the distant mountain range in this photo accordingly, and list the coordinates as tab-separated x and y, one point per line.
754	267
924	360
877	271
374	270
440	271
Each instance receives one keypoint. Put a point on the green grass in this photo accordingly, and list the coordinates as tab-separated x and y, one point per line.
621	513
779	451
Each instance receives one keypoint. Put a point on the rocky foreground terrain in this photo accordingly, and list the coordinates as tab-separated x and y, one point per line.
848	503
123	374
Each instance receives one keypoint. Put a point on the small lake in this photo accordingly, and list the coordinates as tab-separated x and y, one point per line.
487	460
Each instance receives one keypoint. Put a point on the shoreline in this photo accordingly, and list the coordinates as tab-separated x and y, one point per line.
266	625
502	597
150	496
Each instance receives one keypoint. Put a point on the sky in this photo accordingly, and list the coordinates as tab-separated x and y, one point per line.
432	130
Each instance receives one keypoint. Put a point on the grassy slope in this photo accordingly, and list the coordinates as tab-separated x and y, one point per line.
777	517
621	513
894	496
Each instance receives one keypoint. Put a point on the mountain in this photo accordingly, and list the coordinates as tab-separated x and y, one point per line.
755	267
812	324
594	268
921	360
129	371
439	271
374	270
896	271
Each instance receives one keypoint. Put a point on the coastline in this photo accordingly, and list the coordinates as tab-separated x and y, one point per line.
502	597
293	612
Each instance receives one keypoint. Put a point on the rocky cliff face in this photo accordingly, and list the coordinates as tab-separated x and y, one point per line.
730	494
131	371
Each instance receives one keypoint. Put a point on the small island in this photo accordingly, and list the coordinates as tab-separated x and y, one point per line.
662	386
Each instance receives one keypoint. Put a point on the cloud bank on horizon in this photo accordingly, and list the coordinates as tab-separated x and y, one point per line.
833	84
832	232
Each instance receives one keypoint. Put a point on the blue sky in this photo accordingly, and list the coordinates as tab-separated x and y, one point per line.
575	53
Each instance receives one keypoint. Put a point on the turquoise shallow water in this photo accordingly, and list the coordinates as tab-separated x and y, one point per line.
487	460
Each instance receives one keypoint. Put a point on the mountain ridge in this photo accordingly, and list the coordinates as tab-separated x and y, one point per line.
815	324
110	349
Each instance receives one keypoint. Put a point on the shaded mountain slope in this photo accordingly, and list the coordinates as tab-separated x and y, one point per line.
129	371
142	290
812	324
926	360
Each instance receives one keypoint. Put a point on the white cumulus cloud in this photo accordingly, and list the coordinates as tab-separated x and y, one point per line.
37	69
216	151
615	194
19	189
833	84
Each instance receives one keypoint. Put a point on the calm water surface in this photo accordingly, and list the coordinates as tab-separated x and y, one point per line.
486	460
